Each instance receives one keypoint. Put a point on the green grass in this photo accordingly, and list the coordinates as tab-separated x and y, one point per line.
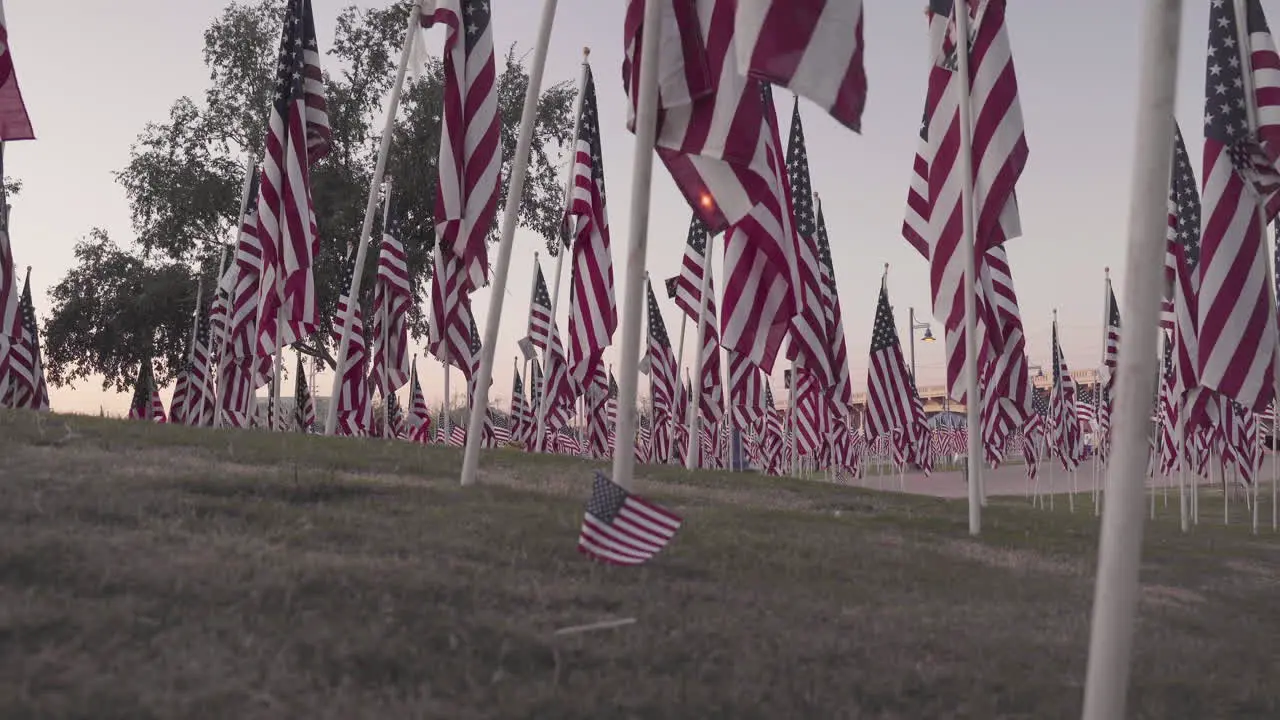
166	572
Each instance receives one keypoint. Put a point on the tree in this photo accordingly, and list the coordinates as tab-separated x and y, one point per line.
184	177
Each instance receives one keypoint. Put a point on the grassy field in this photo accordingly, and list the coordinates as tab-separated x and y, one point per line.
165	572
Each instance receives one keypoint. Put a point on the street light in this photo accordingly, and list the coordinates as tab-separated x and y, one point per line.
927	337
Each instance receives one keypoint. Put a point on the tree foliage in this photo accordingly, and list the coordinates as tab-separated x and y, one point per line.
185	174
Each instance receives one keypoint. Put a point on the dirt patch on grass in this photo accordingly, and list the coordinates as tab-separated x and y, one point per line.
1018	560
1168	596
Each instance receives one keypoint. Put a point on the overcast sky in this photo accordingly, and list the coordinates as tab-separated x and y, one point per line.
92	84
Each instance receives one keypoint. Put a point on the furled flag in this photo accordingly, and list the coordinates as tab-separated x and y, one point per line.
1183	242
1064	423
14	123
449	322
353	396
470	161
717	135
664	381
686	290
392	297
593	315
891	395
1236	318
27	386
809	350
1167	409
622	528
178	402
557	396
304	405
419	415
243	369
140	404
197	409
840	391
933	217
298	134
1111	340
487	438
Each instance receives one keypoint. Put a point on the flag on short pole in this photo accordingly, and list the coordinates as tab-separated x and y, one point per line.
304	405
197	409
622	528
27	387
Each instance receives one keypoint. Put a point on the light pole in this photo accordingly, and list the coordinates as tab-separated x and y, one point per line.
927	337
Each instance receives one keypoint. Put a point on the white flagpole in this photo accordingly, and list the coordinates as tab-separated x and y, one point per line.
695	404
1116	590
972	400
375	183
510	215
637	246
386	320
225	340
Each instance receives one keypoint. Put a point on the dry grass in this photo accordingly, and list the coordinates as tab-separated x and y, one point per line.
161	572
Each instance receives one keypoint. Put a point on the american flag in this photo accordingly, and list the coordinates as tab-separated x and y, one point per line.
519	407
664	381
392	297
304	404
487	438
595	402
593	315
1168	412
812	47
14	123
746	390
140	404
840	391
1236	318
298	134
1064	424
243	369
891	396
353	396
933	216
622	528
809	350
1184	245
178	402
27	386
717	136
501	428
197	406
419	415
395	419
686	290
545	333
1111	346
449	322
470	161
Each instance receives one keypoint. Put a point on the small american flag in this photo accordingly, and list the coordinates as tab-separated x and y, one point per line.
353	395
14	123
1064	423
621	528
1237	328
891	395
197	406
470	143
419	415
1111	350
27	386
298	134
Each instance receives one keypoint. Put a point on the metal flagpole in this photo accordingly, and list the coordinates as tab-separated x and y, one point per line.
695	404
225	340
375	183
1116	589
637	246
386	318
519	169
968	248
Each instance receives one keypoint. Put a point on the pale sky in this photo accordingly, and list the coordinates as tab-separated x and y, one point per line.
92	84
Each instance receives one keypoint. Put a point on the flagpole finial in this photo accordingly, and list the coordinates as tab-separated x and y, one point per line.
586	53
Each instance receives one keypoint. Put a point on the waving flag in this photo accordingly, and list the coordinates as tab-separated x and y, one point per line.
392	297
353	398
622	528
14	123
298	134
470	144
